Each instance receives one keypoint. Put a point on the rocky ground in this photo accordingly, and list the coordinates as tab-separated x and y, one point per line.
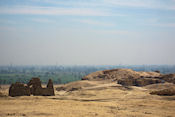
91	98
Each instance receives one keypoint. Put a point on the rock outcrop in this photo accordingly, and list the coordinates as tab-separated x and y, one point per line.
164	92
138	82
19	89
126	77
116	74
168	78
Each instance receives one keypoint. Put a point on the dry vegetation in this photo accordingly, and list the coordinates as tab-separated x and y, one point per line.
92	99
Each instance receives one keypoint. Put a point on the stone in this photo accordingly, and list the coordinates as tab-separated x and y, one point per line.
50	84
50	88
37	90
126	82
138	82
146	81
19	89
169	78
164	92
35	86
47	92
117	74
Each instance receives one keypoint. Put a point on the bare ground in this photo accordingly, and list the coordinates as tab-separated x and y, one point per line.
100	99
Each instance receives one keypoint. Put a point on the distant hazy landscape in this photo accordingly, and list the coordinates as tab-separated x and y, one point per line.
66	74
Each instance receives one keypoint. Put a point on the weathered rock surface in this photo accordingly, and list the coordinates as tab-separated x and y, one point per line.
126	77
19	89
164	92
37	90
44	92
159	86
116	74
50	88
168	78
35	86
138	82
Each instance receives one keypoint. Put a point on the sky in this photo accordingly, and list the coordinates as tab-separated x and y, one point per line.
87	32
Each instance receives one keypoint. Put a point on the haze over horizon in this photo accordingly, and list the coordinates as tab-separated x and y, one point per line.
87	32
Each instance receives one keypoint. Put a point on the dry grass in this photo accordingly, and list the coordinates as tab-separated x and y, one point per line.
99	100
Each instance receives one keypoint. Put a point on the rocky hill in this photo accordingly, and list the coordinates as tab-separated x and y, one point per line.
131	77
116	74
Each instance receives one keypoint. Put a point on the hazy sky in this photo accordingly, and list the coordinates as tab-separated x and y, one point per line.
87	32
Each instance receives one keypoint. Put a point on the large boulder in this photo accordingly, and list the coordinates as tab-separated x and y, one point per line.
19	89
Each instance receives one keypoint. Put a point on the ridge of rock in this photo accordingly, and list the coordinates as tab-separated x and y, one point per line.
117	74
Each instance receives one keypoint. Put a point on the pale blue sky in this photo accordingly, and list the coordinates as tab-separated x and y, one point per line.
87	32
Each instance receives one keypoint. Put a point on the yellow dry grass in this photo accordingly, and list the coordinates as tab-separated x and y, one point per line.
102	100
